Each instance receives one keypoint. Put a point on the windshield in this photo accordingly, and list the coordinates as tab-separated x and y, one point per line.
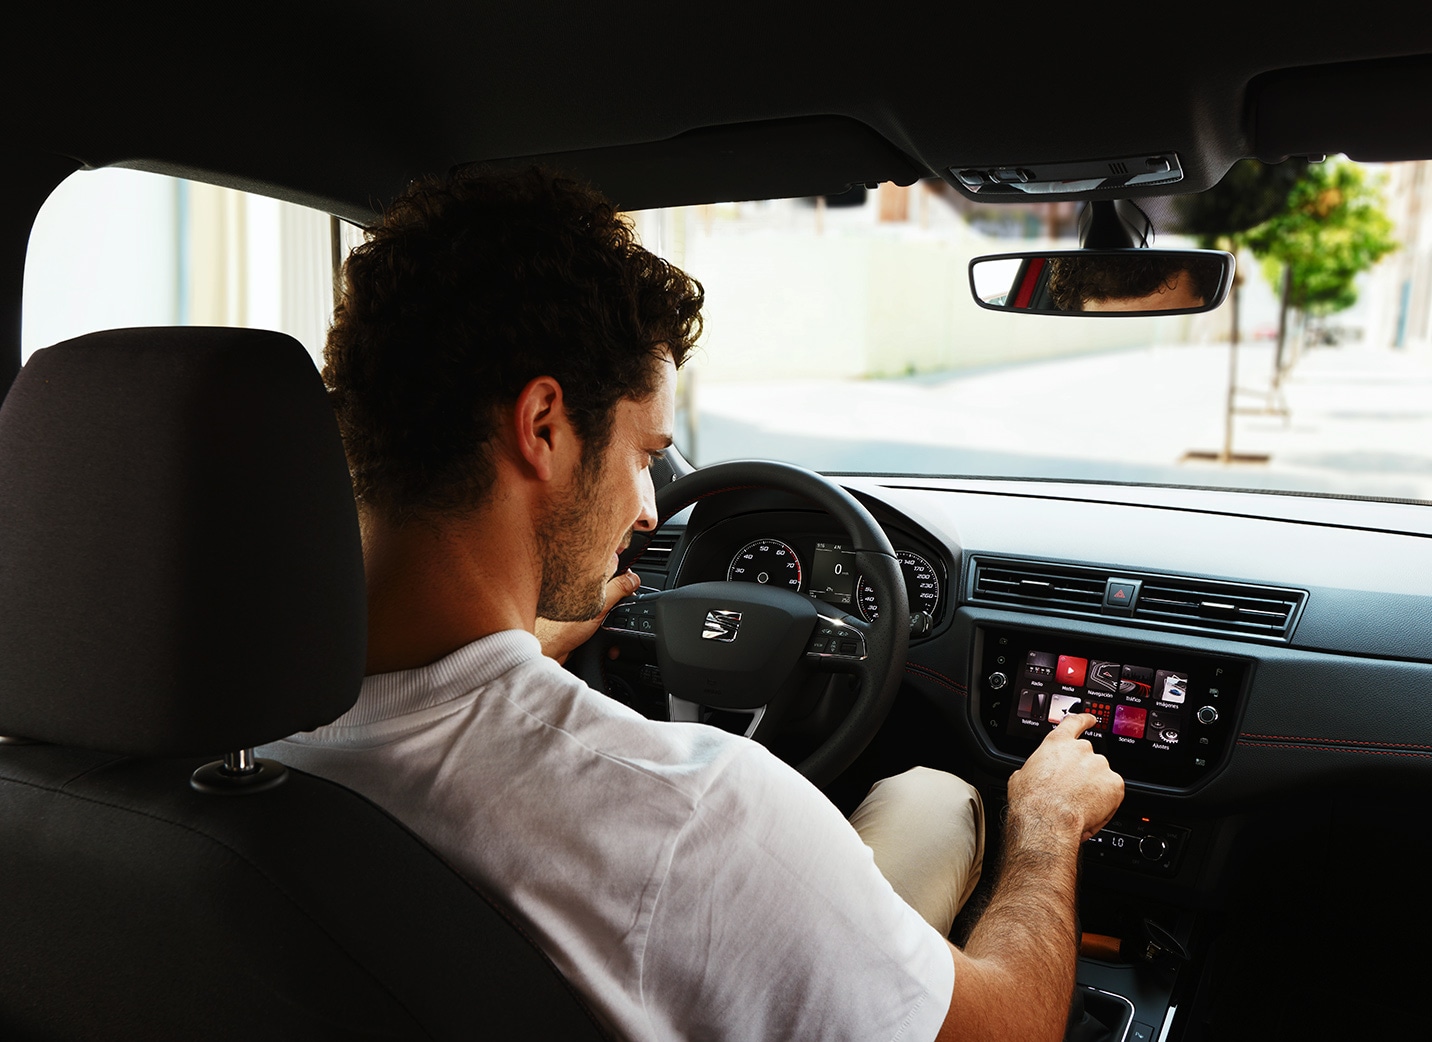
841	334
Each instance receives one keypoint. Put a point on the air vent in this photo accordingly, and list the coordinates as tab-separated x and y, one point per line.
1170	602
1051	587
658	551
1226	607
654	563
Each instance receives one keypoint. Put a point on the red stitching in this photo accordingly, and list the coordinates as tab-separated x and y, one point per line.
1335	741
936	672
1326	749
926	673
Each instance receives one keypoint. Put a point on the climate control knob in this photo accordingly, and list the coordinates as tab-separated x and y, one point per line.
1207	715
1152	848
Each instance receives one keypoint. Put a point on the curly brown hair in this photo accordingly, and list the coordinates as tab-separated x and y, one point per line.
1075	280
468	288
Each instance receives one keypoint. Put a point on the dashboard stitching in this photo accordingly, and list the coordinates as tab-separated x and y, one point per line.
936	675
1333	749
1335	741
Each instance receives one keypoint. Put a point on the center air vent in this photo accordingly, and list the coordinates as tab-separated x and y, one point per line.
1050	586
1171	602
1236	609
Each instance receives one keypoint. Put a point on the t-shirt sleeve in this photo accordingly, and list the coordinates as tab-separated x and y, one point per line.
772	922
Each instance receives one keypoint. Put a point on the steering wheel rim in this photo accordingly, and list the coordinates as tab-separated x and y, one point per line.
886	640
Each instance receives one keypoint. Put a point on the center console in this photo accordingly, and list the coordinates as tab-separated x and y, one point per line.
1166	716
1167	720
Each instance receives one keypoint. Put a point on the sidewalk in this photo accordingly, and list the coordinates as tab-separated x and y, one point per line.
1359	423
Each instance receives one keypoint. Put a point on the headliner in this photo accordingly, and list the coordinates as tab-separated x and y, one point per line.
340	105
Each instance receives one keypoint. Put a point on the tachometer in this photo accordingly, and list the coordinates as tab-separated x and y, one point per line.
766	561
922	585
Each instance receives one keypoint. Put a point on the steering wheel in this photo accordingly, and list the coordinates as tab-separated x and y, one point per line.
751	648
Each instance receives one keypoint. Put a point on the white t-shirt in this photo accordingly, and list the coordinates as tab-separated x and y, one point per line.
686	881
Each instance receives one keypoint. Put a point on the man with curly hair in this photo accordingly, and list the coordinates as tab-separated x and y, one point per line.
503	365
1142	280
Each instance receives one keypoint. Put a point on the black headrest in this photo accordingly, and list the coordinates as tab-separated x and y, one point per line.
180	566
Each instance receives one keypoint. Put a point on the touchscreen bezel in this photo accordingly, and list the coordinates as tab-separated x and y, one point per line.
1135	724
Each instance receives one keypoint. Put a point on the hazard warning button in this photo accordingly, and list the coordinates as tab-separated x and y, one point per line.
1121	593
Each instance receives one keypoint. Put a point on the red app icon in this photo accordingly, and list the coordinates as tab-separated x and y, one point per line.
1071	670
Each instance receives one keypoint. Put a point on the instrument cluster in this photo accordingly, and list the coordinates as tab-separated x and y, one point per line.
806	560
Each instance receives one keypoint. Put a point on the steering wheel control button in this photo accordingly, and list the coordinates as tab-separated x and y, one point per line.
835	640
1207	715
1120	595
632	617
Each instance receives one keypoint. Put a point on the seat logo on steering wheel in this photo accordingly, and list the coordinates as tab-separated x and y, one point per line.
721	625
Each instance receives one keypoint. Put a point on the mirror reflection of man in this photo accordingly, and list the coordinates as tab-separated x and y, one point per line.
503	365
1144	280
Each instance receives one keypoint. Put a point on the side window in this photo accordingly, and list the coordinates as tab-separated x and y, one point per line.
115	247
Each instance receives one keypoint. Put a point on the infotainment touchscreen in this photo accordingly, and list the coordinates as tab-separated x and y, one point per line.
1163	716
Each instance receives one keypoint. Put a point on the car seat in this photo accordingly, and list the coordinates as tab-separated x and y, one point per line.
180	581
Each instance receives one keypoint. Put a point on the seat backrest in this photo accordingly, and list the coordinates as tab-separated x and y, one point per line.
180	578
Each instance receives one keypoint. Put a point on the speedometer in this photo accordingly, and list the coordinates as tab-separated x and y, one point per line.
922	586
766	561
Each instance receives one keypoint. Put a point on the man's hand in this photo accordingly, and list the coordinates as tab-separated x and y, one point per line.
1064	793
560	639
1065	785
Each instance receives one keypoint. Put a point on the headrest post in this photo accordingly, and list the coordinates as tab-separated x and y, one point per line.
237	774
240	763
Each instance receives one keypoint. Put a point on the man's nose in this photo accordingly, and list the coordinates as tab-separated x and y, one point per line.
646	520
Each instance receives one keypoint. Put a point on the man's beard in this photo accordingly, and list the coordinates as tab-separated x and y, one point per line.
566	535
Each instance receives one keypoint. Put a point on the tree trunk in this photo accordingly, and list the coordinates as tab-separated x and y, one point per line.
1226	456
1284	303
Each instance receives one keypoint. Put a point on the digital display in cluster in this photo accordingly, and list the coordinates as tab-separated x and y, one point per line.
1134	702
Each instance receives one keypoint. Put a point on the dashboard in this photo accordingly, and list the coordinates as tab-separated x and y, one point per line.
1260	666
1275	645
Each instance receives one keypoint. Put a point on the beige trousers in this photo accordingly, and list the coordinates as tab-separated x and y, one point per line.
926	829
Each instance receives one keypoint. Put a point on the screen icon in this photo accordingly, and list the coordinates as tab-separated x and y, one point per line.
1170	686
1061	706
1136	682
1071	670
1130	721
1031	703
1039	664
1104	677
1165	726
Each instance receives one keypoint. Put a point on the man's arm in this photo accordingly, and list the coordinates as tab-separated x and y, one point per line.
1015	977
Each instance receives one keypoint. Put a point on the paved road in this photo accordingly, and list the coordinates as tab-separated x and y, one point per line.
1359	420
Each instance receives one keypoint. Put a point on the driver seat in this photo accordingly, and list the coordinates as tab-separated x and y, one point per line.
181	579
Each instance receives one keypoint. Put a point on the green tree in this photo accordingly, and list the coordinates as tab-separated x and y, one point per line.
1332	229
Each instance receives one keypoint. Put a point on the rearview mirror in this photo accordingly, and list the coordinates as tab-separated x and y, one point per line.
1103	282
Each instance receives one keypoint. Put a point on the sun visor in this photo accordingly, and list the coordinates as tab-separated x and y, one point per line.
772	159
1375	111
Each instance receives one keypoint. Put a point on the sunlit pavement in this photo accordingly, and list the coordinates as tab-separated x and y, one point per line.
1358	420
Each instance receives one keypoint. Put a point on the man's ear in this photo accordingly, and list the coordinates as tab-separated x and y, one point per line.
544	435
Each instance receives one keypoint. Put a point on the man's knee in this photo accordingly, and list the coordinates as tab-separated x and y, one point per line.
929	788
